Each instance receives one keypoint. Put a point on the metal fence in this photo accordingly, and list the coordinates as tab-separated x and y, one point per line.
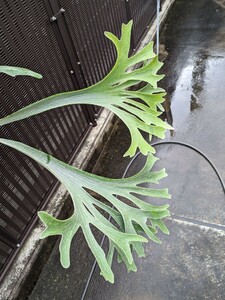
64	41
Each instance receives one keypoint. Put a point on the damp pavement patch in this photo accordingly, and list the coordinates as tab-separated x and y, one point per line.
188	265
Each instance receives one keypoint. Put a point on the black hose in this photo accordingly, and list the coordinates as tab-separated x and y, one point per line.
199	152
185	145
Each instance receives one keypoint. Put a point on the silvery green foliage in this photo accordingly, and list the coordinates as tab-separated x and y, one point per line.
128	220
15	71
113	93
129	225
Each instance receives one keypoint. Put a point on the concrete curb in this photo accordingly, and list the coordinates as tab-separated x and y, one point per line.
22	266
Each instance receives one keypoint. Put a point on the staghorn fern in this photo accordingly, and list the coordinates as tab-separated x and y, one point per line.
129	222
15	71
122	236
112	93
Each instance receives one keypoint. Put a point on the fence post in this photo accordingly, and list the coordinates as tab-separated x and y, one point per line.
158	8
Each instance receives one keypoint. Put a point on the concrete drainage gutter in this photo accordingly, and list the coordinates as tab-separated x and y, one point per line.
24	263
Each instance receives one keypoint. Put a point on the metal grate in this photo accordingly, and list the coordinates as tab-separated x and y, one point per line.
91	45
142	13
71	53
28	40
95	53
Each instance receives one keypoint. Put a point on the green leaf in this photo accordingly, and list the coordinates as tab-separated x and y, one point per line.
137	109
125	219
16	71
127	223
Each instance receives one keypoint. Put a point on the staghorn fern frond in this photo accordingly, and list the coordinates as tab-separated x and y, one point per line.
129	220
17	71
113	93
139	110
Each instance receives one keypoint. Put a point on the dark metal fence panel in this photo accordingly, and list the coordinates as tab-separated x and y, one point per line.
57	16
70	52
96	54
87	21
142	13
28	40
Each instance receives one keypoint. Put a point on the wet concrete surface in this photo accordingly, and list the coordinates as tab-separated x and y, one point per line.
190	263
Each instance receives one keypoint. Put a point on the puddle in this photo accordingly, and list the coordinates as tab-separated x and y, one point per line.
193	44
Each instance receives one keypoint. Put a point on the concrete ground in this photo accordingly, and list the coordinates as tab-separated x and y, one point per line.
190	263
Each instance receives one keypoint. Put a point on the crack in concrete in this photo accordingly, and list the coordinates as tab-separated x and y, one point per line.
201	224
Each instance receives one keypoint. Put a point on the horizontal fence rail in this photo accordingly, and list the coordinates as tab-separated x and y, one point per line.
64	41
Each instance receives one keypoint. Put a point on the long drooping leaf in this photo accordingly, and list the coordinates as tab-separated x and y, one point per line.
17	71
113	93
129	220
